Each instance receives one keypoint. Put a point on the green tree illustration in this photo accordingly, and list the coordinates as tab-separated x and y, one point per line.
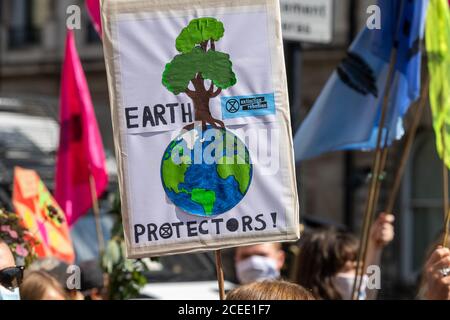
197	62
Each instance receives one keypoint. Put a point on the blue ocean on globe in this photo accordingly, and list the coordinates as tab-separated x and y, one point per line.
200	187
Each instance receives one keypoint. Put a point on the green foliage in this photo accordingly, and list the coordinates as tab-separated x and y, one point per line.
126	276
182	70
217	67
198	31
213	65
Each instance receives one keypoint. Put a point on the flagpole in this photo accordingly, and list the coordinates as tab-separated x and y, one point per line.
377	164
95	208
444	177
446	233
445	187
384	154
400	171
408	146
220	277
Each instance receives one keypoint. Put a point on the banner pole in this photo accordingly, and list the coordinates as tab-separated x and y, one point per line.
384	154
408	146
446	233
220	277
95	208
444	178
400	171
445	188
368	215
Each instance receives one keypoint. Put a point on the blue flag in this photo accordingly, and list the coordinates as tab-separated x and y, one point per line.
347	114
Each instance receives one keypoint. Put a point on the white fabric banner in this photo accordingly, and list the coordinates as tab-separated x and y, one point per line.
201	124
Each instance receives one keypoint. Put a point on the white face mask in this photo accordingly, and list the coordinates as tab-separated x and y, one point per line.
344	285
6	294
256	268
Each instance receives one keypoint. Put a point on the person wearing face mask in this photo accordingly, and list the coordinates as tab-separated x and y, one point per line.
259	262
328	260
10	275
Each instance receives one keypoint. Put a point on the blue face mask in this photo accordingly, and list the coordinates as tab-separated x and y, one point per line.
6	294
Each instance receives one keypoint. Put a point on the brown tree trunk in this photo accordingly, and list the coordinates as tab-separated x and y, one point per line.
201	106
201	98
203	114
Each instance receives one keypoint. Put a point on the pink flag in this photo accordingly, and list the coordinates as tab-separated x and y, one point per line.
93	7
80	153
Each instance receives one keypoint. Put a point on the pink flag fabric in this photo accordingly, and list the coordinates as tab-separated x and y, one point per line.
93	7
80	153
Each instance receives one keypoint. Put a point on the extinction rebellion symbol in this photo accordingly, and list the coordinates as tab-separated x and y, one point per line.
232	106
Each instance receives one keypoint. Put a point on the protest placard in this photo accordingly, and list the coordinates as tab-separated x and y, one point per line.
201	123
42	216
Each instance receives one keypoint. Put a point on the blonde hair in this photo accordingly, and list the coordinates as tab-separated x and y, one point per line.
36	283
270	290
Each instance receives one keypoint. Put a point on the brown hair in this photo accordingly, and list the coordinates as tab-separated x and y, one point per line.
270	290
36	283
322	255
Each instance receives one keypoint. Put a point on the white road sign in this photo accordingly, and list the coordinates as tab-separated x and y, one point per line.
307	20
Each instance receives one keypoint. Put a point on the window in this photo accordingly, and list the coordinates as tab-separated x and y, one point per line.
27	18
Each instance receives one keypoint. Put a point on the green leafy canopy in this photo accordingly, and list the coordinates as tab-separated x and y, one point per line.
197	32
213	65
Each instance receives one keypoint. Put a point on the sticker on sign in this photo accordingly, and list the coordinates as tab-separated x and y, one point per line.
307	20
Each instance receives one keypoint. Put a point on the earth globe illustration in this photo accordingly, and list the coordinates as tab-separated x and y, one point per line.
206	172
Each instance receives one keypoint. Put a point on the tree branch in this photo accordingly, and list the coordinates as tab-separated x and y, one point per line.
189	93
213	45
215	94
211	88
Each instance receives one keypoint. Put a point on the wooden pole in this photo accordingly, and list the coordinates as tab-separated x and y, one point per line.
377	163
399	174
219	271
444	180
445	187
95	208
408	146
446	232
373	208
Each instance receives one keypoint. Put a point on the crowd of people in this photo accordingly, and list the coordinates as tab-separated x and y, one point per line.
326	267
47	279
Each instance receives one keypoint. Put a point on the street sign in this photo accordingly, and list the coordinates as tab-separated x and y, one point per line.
307	20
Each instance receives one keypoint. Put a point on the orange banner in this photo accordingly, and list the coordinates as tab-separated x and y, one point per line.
42	216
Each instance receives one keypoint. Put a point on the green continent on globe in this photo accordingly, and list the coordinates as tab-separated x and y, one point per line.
237	168
201	188
173	174
206	198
